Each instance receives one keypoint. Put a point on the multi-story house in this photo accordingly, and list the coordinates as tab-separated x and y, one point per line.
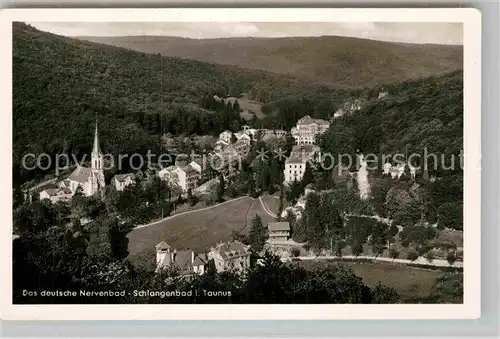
226	136
307	129
56	194
186	261
241	147
120	181
186	177
230	256
249	131
243	137
295	164
278	231
203	166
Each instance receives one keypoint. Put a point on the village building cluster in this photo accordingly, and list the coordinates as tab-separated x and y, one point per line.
396	171
89	179
226	256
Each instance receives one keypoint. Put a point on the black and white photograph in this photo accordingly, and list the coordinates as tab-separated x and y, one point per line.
239	162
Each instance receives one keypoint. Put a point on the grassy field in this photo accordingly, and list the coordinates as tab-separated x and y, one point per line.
248	105
408	281
198	230
273	202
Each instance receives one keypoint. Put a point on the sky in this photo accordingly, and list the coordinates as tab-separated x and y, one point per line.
440	33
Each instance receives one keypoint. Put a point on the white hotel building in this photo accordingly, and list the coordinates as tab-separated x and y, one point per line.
307	129
295	165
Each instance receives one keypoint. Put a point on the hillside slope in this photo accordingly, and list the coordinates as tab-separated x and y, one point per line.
61	85
418	115
342	61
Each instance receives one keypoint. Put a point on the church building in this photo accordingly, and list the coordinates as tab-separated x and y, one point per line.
90	179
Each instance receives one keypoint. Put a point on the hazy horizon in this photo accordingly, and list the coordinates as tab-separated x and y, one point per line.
419	33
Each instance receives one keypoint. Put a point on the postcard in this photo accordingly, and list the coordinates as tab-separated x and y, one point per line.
263	163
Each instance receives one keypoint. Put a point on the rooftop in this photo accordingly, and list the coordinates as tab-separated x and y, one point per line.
232	249
123	177
80	174
307	120
56	191
162	246
278	226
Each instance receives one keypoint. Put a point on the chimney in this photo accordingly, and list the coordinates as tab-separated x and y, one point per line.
192	256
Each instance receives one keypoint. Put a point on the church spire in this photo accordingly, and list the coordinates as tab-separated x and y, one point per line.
96	149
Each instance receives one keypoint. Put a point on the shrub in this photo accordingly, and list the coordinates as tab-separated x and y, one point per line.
412	255
430	256
393	253
295	252
356	249
451	258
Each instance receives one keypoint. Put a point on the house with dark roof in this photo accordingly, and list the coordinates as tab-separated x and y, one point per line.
230	256
278	231
56	194
120	181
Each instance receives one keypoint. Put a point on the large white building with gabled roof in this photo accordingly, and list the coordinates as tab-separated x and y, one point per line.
307	129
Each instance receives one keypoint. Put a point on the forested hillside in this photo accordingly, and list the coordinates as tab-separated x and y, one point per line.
415	115
61	85
342	61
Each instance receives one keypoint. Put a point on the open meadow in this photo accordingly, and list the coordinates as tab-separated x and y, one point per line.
198	230
409	281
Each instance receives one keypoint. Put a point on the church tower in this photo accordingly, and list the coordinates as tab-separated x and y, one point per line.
97	158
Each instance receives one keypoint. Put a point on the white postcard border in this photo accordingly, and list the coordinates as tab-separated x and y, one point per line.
470	309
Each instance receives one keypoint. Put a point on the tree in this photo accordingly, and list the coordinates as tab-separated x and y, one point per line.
258	234
378	238
393	253
449	289
274	176
450	215
295	252
397	200
324	180
356	248
263	177
291	218
221	188
17	196
412	255
430	255
192	200
417	234
384	295
294	193
34	218
315	226
451	258
299	233
308	176
251	186
393	230
379	193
